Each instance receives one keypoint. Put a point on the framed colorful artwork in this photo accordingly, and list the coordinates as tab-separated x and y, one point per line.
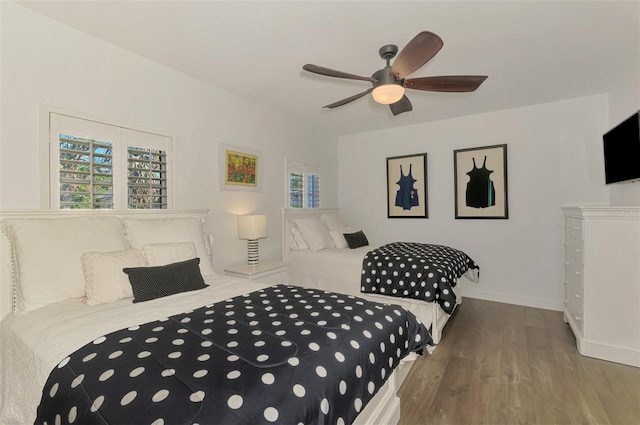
240	168
407	186
480	181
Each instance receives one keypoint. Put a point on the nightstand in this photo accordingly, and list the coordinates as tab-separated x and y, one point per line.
271	272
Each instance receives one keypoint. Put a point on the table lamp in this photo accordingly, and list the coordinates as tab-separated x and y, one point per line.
252	228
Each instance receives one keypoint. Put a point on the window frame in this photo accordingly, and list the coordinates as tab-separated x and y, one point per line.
49	152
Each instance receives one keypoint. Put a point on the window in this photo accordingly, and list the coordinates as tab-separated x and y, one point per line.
313	191
86	173
96	165
146	178
303	186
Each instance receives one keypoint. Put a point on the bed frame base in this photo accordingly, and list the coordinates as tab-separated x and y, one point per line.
384	407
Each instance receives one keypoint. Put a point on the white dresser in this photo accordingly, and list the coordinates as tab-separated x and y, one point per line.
602	281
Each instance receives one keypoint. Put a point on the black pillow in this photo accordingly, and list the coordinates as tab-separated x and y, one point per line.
356	240
149	283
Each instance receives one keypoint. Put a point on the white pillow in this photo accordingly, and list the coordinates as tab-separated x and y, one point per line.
315	233
297	241
337	236
46	254
161	254
141	232
105	282
334	221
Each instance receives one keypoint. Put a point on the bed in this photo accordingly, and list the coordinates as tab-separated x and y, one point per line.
218	349
341	269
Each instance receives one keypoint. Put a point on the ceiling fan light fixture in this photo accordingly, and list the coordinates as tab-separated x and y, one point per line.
387	94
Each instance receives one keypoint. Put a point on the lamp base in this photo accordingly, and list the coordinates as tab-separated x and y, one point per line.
252	247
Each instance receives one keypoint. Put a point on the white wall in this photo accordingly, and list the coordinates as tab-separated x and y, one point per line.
554	158
45	62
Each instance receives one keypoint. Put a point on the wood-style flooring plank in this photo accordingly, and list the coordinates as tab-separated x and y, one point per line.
505	364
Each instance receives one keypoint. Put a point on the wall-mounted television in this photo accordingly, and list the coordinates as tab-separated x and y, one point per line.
622	151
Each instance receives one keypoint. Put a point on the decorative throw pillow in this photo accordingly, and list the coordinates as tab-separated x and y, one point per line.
161	254
334	221
356	240
143	231
297	243
337	236
315	233
149	283
104	280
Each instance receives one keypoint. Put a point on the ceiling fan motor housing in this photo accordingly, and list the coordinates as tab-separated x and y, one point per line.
384	77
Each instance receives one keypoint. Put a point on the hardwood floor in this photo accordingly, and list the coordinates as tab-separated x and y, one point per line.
505	364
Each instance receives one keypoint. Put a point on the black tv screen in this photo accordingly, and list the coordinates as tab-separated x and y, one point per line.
622	151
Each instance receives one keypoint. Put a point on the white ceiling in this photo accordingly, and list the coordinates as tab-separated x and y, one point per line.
532	51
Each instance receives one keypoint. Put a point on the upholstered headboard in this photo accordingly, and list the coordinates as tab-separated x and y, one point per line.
290	214
6	281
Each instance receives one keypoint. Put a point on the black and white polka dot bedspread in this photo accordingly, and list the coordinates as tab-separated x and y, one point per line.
415	270
284	354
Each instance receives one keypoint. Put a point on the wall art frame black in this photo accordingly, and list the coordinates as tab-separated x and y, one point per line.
480	181
407	195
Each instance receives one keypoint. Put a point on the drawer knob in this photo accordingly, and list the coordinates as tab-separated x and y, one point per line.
578	318
566	282
566	263
578	251
578	296
578	273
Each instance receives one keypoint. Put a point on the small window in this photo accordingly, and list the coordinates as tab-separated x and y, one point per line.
313	191
146	178
303	185
86	173
95	164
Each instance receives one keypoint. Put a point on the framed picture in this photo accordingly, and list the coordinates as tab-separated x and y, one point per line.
240	169
407	186
480	180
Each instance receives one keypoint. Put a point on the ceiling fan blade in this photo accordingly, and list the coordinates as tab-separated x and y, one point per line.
403	105
416	53
450	83
348	99
333	73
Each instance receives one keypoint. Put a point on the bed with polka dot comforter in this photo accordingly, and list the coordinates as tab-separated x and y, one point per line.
415	270
282	354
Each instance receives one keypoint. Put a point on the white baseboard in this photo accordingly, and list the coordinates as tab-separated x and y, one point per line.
609	353
546	304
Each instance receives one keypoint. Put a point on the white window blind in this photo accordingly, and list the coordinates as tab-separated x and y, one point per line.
313	188
100	165
86	173
303	185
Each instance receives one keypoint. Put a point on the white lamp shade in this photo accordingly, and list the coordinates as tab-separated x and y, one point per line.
252	226
388	93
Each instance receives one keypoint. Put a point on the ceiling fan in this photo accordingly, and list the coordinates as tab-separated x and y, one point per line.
388	83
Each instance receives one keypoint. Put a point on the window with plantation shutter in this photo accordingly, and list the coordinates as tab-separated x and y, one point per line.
303	185
146	178
86	173
313	191
97	165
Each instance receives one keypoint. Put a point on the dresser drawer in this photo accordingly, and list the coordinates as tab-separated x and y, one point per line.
573	272
574	304
573	300
574	250
573	228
